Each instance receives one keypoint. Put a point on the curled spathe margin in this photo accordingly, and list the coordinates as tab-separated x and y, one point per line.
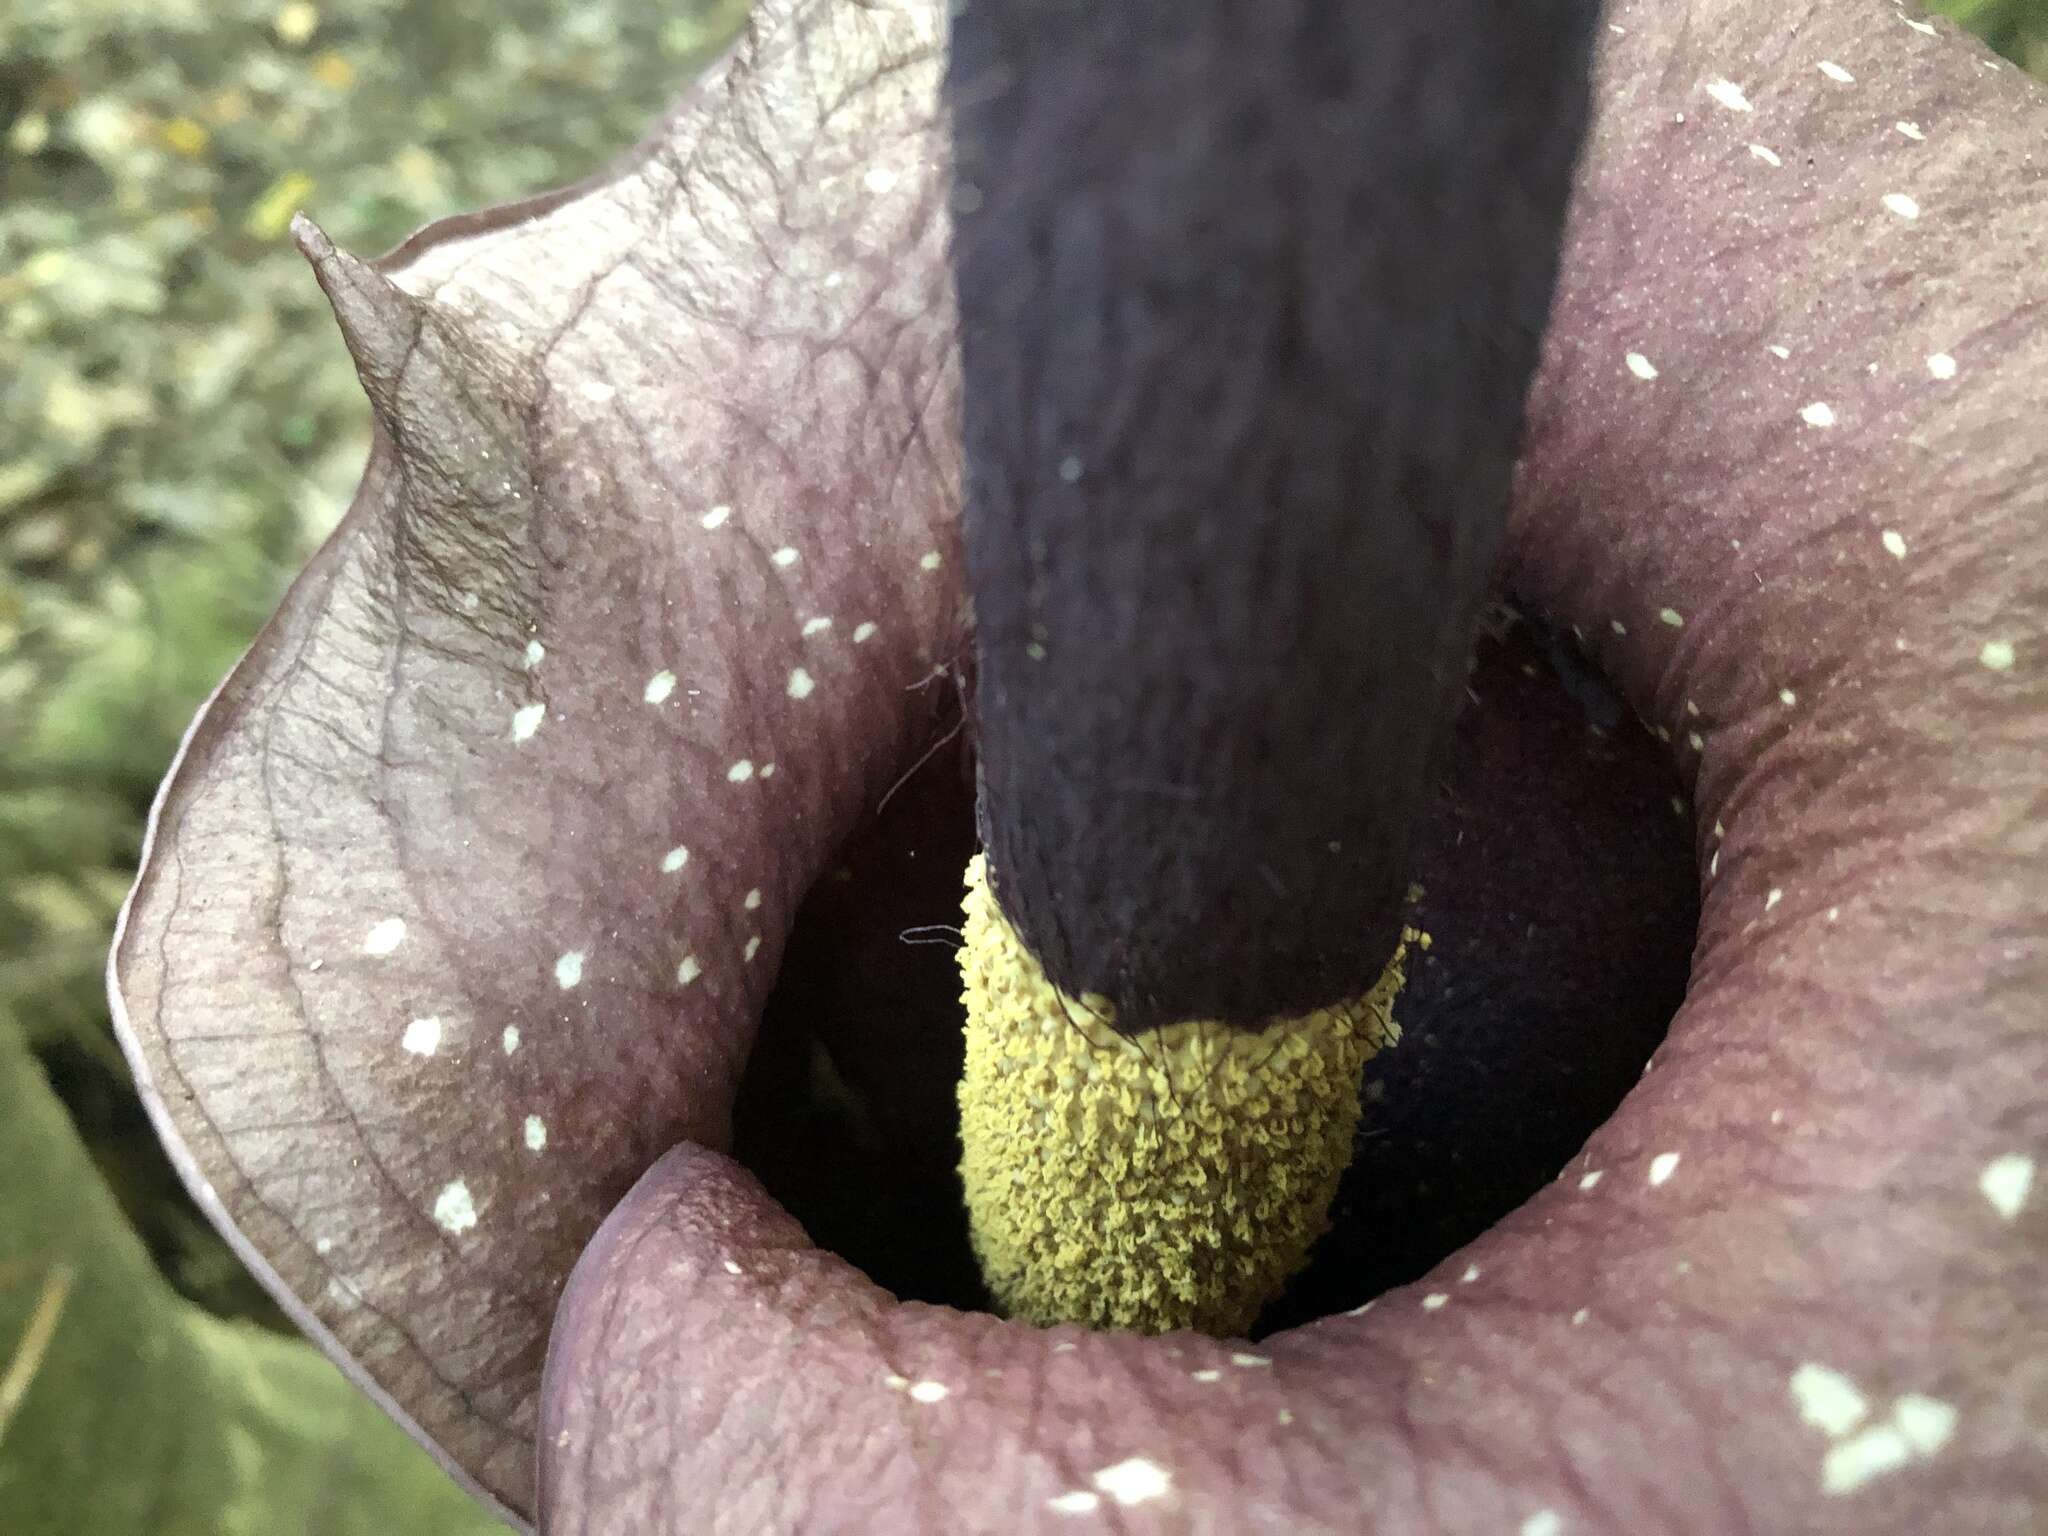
462	894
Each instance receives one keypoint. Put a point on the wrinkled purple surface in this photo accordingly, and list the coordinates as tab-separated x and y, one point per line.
753	315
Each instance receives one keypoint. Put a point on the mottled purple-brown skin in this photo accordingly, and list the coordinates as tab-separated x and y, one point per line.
752	314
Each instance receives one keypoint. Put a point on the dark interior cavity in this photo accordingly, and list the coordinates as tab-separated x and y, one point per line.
1554	871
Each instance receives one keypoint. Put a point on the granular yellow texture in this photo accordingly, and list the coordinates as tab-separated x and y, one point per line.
1172	1181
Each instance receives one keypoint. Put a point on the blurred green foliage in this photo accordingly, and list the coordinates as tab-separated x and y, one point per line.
178	427
2016	28
124	1408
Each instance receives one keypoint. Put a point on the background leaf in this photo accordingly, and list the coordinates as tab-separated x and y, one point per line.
126	1408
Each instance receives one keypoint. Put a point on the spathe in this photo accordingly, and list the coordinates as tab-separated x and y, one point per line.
452	780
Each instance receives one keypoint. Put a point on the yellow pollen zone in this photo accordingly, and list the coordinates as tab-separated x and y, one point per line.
1176	1180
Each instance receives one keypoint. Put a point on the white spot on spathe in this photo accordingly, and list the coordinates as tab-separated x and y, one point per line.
454	1209
753	947
715	517
816	626
785	557
929	561
740	771
800	683
1729	95
1926	1422
422	1036
1070	469
536	653
1910	130
526	721
674	859
569	969
1617	626
1662	1166
1135	1481
1900	204
597	392
1544	1522
688	971
1640	366
1672	617
1079	1502
384	936
753	899
733	1269
1766	154
323	1246
1579	1317
1853	1463
930	1392
767	770
2006	1181
1206	1375
1471	1274
1919	26
1587	1181
1778	352
863	633
509	1040
1997	655
1894	543
1818	414
1250	1362
1836	73
536	1133
1787	697
1941	365
879	179
659	687
1773	898
1827	1400
1434	1300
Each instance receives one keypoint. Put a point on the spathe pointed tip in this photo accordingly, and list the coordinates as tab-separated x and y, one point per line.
379	320
311	240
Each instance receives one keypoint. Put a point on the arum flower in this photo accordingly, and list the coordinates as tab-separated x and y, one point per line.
472	883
